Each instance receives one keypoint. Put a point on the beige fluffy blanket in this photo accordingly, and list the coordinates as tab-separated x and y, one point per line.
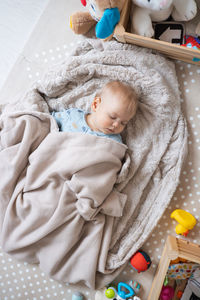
59	203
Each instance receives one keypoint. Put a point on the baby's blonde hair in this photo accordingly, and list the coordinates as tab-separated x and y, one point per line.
126	91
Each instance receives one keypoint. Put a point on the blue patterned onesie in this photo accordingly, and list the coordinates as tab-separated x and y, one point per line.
73	120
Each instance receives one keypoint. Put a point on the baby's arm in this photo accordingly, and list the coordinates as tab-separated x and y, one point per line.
62	119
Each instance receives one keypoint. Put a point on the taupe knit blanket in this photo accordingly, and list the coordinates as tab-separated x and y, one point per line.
58	207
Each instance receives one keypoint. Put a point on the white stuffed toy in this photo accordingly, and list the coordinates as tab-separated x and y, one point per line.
144	12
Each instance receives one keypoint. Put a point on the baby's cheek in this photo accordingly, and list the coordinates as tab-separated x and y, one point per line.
105	122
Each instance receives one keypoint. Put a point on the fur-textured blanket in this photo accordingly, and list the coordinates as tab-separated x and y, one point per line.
51	211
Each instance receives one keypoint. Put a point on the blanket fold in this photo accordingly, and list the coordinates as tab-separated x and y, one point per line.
81	205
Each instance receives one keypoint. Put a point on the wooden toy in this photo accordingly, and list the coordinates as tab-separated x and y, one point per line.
171	32
174	247
122	34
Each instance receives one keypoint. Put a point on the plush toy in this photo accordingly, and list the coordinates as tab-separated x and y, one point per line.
106	13
144	12
140	261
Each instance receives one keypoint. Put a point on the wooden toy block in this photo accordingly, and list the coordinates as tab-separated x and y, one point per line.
171	50
174	247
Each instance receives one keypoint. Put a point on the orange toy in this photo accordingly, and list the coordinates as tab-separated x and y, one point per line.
140	261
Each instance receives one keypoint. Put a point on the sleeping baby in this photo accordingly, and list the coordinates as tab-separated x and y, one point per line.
64	196
111	110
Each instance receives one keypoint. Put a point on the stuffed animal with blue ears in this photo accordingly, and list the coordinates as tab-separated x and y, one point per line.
104	13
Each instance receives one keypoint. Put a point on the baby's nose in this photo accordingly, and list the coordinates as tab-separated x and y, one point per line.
115	124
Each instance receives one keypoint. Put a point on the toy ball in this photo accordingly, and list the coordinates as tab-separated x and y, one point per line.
110	293
77	296
167	293
140	261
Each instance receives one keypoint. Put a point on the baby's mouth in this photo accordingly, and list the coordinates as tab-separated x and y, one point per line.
110	130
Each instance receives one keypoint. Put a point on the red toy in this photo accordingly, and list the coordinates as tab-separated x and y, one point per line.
84	2
192	42
179	294
140	261
167	293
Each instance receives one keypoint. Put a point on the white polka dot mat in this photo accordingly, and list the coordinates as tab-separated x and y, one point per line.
48	58
28	282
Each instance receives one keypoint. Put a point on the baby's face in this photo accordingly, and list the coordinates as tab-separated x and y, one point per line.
112	113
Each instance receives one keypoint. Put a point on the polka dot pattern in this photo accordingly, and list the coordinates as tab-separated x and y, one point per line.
20	280
47	58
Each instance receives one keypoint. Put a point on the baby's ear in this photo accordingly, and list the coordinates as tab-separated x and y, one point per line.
95	103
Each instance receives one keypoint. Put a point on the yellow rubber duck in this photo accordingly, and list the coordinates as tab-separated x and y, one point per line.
185	219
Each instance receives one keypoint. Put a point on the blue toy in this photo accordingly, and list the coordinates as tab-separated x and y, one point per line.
124	291
104	13
122	294
106	25
77	296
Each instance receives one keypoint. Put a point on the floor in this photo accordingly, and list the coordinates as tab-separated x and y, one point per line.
24	60
17	20
15	50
